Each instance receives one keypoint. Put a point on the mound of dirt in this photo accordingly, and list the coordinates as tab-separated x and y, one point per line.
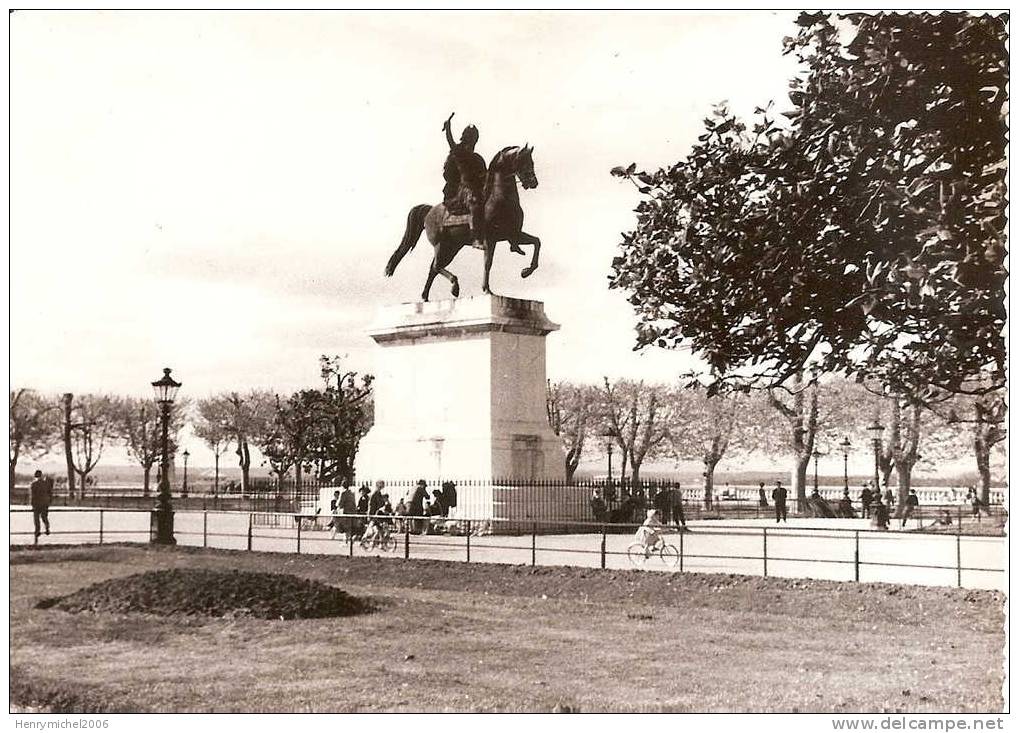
216	593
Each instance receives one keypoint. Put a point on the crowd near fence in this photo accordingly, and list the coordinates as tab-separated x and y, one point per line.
524	500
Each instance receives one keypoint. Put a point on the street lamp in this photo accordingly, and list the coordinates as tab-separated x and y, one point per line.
610	442
165	390
184	486
817	457
875	429
845	446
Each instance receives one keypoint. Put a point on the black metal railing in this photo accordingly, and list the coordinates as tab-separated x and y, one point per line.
753	550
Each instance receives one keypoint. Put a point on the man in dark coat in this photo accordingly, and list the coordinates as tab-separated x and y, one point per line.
912	502
448	497
663	503
416	508
377	499
599	509
41	493
778	495
866	499
880	514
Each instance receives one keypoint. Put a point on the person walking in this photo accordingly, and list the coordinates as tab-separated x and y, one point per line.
762	497
846	505
866	499
347	505
448	497
362	510
912	502
334	511
41	493
416	508
778	495
880	514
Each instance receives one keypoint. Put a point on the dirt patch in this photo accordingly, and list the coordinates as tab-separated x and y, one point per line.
216	593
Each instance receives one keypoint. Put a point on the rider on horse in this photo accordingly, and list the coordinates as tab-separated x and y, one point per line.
464	173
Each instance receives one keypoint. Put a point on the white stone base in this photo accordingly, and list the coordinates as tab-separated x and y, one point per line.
460	395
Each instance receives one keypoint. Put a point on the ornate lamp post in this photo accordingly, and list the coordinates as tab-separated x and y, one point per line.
610	442
875	429
845	446
162	517
817	457
184	486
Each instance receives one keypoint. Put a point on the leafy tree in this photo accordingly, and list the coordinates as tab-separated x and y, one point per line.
984	420
234	417
138	422
335	419
706	429
93	423
570	415
865	233
638	417
212	427
274	436
989	430
34	427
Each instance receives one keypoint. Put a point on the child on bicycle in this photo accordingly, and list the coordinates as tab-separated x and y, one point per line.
648	533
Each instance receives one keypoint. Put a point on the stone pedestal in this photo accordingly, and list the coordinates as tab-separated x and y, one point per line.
460	394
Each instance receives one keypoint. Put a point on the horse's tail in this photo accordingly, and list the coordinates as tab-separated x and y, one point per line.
415	223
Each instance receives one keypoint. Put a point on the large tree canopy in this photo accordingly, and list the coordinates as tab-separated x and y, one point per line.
866	233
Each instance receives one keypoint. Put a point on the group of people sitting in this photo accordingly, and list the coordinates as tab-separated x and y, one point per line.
372	512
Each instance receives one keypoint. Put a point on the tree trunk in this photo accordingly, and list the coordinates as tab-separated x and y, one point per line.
983	455
800	480
215	484
14	467
886	476
709	483
245	463
634	473
903	471
146	475
572	461
68	456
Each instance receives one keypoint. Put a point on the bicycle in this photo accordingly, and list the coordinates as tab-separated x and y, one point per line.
639	554
382	538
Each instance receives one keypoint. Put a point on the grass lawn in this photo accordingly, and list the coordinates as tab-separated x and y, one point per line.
450	636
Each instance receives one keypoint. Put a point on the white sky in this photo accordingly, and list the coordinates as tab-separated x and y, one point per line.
219	192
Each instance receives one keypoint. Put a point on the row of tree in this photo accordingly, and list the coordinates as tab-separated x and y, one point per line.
647	421
312	430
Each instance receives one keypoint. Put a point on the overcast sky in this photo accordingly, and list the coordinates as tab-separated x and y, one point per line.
219	192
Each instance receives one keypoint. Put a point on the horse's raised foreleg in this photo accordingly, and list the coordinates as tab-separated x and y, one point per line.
525	238
455	289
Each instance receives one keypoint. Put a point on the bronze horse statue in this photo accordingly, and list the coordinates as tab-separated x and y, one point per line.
503	218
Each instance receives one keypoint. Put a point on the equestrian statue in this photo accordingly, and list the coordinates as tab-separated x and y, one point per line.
480	207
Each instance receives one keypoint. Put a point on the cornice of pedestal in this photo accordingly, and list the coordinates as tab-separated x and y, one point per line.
460	317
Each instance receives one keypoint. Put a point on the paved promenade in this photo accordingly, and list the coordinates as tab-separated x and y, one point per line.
805	548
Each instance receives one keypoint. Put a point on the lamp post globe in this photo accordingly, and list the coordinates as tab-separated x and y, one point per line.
165	390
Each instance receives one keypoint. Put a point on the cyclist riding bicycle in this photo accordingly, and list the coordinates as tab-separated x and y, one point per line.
649	534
